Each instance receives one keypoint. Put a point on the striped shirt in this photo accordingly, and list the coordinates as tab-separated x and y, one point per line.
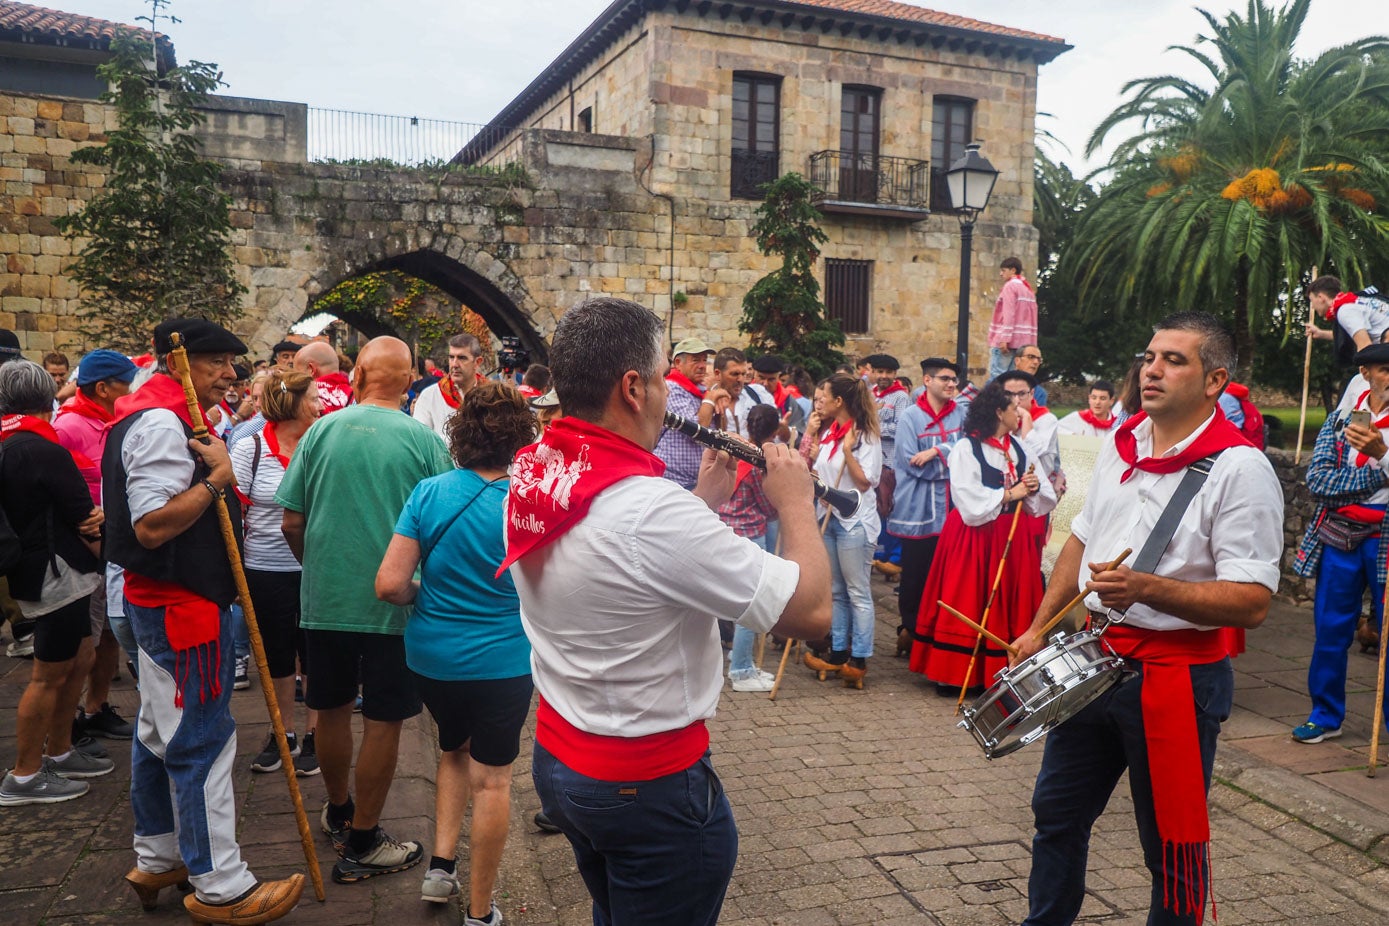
266	548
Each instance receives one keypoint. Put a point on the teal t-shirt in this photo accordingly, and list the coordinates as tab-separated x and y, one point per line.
466	625
350	477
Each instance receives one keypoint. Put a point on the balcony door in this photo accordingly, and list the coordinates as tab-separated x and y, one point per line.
756	134
952	127
858	144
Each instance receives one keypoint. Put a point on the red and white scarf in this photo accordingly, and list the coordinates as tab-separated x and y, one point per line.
10	425
1003	446
1342	299
555	481
1089	418
1219	435
1382	422
334	391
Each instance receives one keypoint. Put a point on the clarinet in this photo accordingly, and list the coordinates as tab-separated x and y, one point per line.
844	501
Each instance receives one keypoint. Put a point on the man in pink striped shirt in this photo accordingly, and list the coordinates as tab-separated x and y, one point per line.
1015	317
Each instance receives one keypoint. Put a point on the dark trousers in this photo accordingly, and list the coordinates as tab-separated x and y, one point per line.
1084	758
916	565
659	851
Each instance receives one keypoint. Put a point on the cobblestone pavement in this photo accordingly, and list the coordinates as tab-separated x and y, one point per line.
853	807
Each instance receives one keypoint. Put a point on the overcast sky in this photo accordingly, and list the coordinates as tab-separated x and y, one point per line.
465	59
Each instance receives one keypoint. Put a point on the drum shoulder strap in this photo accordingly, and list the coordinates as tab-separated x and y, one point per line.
1171	516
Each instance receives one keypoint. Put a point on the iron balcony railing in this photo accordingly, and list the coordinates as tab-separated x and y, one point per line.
343	136
875	179
752	169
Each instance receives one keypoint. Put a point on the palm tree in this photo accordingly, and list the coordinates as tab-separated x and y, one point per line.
1226	196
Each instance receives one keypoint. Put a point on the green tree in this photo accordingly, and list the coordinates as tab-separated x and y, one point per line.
782	312
1228	193
154	240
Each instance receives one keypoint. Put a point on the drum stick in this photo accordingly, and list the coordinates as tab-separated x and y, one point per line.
1056	619
988	634
1302	415
1379	698
178	363
993	593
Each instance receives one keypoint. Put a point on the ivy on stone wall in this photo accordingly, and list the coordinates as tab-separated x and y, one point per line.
407	305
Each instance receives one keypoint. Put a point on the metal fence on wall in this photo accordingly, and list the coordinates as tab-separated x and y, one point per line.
345	136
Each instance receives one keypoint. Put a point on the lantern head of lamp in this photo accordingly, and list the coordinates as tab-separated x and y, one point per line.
971	181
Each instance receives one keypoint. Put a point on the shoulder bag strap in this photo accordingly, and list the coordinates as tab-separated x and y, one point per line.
424	554
1171	516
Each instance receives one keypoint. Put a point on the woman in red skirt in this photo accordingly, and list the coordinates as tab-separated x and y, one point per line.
988	480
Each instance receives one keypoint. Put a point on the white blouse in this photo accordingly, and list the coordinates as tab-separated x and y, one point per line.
833	473
976	502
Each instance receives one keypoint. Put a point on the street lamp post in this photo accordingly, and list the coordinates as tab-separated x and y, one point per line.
971	181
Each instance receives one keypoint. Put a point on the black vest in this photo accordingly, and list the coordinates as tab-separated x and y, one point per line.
196	559
992	476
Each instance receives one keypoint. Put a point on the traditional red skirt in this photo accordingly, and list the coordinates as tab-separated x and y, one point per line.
961	575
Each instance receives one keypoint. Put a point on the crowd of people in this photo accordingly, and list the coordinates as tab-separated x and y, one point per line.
423	538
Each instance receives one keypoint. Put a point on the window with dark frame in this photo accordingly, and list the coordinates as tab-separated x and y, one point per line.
756	134
585	120
848	286
859	118
952	127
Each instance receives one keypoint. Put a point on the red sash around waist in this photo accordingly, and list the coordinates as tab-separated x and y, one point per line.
619	758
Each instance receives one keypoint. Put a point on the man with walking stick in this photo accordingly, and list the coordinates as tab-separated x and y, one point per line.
1203	507
160	489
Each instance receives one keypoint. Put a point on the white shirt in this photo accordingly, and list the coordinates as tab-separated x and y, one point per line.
1232	531
736	418
432	410
1074	424
1043	444
977	503
833	473
1362	400
622	610
158	463
1354	390
265	546
1367	313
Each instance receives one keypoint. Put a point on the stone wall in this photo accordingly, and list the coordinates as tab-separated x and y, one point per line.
1297	512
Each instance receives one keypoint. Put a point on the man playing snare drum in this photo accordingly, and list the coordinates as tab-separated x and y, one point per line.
1219	569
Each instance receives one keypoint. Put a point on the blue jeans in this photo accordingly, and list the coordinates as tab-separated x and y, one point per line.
659	851
242	643
181	762
740	656
1083	761
851	563
1341	582
1000	362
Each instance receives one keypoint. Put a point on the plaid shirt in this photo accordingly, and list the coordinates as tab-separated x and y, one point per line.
749	510
1335	481
680	453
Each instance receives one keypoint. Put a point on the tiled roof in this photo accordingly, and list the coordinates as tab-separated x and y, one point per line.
40	22
888	9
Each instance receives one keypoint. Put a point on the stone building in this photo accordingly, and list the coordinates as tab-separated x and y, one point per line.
870	99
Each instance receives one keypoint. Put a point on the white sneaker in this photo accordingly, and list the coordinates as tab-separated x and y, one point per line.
767	675
754	683
439	885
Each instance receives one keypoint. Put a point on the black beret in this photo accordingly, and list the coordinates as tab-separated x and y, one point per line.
1375	353
939	363
882	362
285	346
768	363
242	371
200	336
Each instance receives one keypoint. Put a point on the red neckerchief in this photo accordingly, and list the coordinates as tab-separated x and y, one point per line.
160	391
272	444
1038	410
449	390
884	393
1089	418
684	382
834	436
1004	446
933	419
529	392
1382	422
87	407
10	425
779	396
1174	752
794	393
1342	299
334	391
1219	435
554	482
744	470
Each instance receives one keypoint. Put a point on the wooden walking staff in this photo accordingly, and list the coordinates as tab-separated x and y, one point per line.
1306	380
178	362
993	593
1379	692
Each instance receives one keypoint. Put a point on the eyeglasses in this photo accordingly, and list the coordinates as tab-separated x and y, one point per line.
947	379
1037	357
1018	395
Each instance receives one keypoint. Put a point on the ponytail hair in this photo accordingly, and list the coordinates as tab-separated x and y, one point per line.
858	399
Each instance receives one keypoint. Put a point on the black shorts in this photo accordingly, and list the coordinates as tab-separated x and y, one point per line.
276	598
487	714
58	634
341	659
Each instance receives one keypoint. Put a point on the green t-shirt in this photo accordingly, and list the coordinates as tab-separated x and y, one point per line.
350	477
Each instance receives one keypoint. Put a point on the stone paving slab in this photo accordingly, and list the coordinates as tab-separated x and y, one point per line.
853	807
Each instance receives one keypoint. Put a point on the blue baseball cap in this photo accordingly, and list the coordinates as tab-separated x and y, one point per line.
105	364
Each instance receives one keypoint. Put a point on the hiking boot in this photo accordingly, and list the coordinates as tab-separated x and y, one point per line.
106	722
269	758
385	857
242	680
306	763
45	787
77	764
338	834
268	900
439	885
493	918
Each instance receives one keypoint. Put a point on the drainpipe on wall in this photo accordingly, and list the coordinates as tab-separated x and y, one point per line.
670	258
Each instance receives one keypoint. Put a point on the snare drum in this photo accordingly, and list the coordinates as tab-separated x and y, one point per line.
1043	691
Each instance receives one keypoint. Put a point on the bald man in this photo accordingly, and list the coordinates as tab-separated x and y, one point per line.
319	360
346	484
